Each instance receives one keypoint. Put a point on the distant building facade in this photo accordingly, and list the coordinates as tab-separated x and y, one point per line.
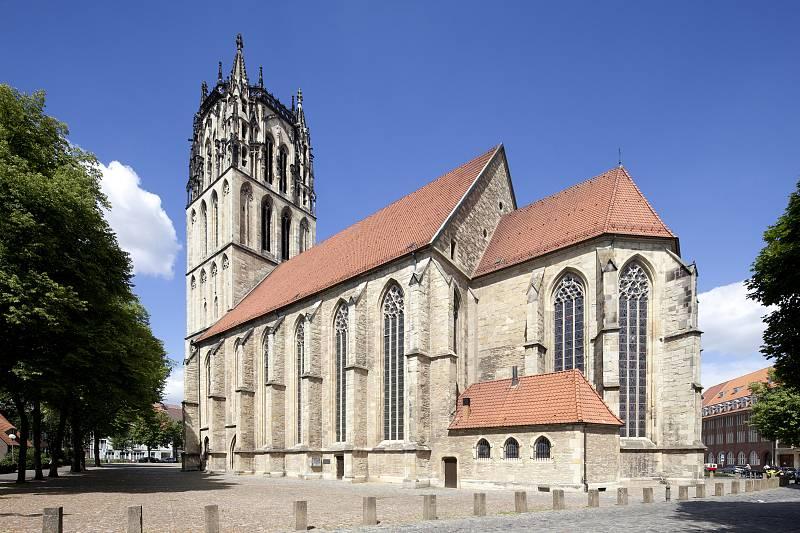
379	353
727	431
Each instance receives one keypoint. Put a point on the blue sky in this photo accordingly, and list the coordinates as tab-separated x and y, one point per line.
702	97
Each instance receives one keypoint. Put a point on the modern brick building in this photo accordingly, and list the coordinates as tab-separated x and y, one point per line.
727	432
352	358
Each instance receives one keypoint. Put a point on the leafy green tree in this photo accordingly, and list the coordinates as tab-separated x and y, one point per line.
776	282
776	412
152	429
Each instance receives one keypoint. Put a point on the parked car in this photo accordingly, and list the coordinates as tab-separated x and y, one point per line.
149	460
732	469
710	467
169	460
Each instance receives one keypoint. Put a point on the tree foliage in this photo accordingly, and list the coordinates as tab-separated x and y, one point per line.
776	412
776	282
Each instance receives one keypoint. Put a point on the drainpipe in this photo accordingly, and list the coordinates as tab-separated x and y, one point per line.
585	480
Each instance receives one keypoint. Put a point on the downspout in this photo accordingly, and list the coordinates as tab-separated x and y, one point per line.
585	480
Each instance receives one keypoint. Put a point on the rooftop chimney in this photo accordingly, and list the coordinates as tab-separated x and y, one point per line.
514	376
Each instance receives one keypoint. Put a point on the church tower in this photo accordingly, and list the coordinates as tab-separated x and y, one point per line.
250	193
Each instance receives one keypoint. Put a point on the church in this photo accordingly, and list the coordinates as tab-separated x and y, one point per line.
453	338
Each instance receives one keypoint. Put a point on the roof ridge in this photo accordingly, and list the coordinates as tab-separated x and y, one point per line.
646	201
559	193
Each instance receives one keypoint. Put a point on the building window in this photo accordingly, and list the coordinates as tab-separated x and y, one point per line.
740	459
268	160
456	321
266	226
568	325
283	169
721	459
542	449
484	451
204	225
710	457
302	237
244	214
634	292
754	459
393	364
511	449
208	375
265	351
300	352
214	220
341	326
286	227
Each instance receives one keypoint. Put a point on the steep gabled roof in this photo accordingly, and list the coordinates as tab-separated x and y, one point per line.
396	230
557	398
610	203
735	388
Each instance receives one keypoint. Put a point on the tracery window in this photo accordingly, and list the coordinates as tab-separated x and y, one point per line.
511	448
286	227
634	293
204	225
300	352
341	326
393	364
266	226
568	326
244	214
283	169
541	449
268	160
484	451
214	220
302	244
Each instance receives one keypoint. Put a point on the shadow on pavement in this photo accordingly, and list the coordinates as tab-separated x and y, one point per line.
744	515
121	478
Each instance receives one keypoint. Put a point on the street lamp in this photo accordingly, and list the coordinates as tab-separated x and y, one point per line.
13	438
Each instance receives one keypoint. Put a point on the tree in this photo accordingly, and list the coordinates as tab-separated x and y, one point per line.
776	412
152	429
776	282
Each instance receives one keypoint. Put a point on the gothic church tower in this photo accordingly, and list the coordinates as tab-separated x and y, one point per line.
251	201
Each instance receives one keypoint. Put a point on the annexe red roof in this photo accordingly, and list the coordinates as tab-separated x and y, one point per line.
556	398
610	203
396	230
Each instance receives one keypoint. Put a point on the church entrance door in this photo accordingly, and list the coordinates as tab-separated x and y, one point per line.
339	466
450	472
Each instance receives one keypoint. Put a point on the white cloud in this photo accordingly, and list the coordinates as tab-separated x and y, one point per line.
173	389
142	226
732	328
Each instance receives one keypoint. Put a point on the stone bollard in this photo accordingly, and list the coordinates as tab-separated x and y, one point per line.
53	520
758	485
370	514
594	498
135	519
211	515
719	489
683	493
300	515
647	495
429	507
479	504
748	485
622	496
734	487
711	474
700	490
558	500
668	493
521	501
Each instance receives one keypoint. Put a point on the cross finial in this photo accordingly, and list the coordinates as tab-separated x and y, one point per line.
239	42
619	157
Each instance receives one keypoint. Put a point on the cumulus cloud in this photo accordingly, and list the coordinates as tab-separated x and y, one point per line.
732	328
142	226
173	389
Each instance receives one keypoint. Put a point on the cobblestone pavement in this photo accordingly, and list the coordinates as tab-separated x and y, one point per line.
173	501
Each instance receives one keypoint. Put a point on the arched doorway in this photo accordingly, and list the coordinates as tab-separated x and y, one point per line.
204	457
450	465
230	454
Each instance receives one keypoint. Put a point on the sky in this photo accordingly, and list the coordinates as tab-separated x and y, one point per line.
702	98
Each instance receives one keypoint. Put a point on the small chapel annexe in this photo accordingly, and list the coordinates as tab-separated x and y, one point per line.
574	318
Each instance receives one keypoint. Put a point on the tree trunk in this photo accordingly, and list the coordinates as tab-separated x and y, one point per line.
77	447
22	439
37	439
97	449
55	445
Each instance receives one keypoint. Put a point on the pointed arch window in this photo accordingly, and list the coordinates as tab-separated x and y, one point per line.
393	364
204	227
303	235
244	214
568	327
269	149
300	353
283	169
484	451
286	228
511	448
456	320
214	220
541	449
341	325
266	226
634	293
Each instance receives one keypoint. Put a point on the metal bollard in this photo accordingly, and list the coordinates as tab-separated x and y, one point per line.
429	507
558	500
647	495
594	498
370	511
300	515
683	492
211	515
622	496
53	520
521	501
479	504
700	490
135	519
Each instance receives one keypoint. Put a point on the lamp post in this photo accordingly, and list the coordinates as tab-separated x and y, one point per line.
13	438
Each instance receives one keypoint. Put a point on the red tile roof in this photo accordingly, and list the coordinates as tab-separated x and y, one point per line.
5	427
396	230
557	398
741	386
610	203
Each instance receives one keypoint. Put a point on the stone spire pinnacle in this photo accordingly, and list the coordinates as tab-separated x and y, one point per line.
203	91
239	73
219	73
261	77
